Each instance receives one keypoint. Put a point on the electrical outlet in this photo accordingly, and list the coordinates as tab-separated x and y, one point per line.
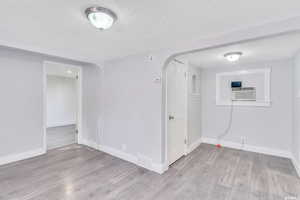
124	147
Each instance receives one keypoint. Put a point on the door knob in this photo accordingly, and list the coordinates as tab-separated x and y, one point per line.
171	117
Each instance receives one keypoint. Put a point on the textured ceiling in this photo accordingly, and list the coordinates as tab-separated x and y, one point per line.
60	28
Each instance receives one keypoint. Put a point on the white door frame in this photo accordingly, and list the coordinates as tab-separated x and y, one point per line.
79	102
167	162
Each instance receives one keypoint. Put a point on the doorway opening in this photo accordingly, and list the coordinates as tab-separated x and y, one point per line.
62	105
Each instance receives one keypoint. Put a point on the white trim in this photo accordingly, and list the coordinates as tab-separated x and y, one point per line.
44	108
21	156
89	143
166	120
194	146
296	165
251	148
119	154
186	129
79	111
244	103
79	106
156	167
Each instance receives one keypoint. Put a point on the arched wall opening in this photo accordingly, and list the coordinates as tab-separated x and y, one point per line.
164	115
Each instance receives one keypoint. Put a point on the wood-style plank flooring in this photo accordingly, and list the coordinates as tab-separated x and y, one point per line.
80	173
61	136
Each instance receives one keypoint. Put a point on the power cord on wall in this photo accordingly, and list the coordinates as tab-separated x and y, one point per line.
226	131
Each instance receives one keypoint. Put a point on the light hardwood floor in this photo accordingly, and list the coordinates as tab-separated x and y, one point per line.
61	136
208	173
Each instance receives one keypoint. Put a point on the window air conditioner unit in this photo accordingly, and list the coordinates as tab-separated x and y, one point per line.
240	93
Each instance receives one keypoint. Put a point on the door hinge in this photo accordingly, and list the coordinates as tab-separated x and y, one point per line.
77	77
76	131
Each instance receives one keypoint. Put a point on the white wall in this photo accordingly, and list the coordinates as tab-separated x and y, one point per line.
21	116
132	75
296	96
267	127
132	106
122	106
21	104
194	106
92	123
62	97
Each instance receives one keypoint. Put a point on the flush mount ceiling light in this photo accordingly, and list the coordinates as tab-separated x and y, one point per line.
233	56
69	72
101	18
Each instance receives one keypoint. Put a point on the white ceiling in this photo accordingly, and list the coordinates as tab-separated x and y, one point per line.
59	27
272	48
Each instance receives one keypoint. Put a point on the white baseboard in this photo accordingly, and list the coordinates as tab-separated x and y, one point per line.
256	149
119	154
159	168
251	148
150	165
21	156
296	165
89	143
194	145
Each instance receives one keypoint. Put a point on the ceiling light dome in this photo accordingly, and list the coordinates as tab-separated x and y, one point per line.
233	56
101	18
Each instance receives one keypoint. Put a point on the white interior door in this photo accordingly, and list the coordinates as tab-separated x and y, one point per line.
176	109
